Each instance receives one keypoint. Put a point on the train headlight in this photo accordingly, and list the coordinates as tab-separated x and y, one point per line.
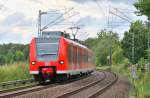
33	62
61	62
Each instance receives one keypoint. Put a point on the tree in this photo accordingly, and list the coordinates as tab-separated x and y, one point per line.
102	52
91	43
9	58
140	31
26	52
9	54
144	7
102	45
19	56
2	59
117	55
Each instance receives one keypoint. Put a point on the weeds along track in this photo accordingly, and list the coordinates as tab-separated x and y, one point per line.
25	90
94	89
17	85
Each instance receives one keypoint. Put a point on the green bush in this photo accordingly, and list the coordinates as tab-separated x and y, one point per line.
15	71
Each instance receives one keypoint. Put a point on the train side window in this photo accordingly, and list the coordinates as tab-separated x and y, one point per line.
72	55
87	57
80	56
77	56
84	54
69	54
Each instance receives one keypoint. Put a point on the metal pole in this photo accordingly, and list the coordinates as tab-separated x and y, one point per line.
148	40
133	46
111	28
110	61
39	23
75	32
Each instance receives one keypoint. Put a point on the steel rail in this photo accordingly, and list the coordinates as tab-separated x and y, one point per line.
25	91
18	88
16	81
90	85
15	84
96	94
21	91
81	89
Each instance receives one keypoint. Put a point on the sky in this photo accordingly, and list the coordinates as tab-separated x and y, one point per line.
18	18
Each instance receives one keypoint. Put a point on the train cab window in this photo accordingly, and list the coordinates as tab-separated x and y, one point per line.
47	48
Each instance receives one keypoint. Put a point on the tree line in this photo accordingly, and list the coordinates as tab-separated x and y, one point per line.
10	53
121	49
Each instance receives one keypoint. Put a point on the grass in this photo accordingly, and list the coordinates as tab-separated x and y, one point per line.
103	67
15	71
141	84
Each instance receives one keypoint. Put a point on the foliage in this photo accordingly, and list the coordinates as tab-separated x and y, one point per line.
118	56
15	71
140	31
103	45
142	84
19	56
10	53
143	7
148	53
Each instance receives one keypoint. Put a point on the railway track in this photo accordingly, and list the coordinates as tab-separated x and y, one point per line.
26	90
98	86
32	88
16	85
93	90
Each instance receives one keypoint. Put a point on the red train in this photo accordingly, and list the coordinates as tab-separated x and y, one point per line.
55	56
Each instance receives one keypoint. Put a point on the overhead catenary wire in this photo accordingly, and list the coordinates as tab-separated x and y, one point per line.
100	7
123	14
120	17
46	26
64	19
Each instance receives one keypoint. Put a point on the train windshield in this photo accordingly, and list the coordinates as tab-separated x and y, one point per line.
47	48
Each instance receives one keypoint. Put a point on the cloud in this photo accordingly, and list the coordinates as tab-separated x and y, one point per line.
83	1
88	20
19	22
2	8
17	28
17	19
112	1
16	34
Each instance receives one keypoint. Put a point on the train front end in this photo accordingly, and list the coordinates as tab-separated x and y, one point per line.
44	58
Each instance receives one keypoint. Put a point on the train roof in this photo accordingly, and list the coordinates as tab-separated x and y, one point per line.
58	34
77	44
54	34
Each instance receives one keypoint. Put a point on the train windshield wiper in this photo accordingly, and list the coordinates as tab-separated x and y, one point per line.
42	54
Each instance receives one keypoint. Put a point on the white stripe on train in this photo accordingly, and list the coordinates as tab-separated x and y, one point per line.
67	71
